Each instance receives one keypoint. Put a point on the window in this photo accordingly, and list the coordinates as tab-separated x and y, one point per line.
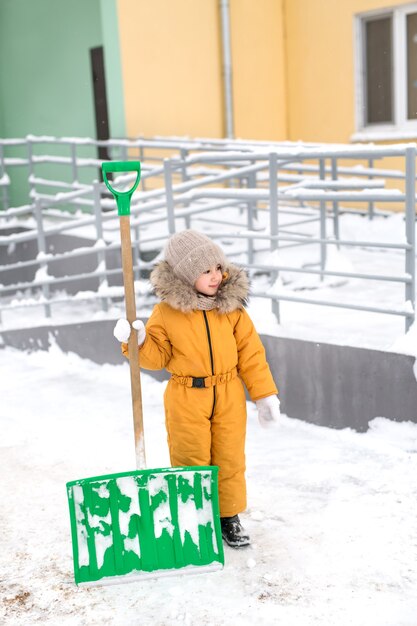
378	71
412	66
386	76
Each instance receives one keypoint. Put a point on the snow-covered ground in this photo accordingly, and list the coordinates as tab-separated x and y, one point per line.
332	514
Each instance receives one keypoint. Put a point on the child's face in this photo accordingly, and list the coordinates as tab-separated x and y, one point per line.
209	281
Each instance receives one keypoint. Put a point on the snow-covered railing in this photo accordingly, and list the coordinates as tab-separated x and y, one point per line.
257	194
79	157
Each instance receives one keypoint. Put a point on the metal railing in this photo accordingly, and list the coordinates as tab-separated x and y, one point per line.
272	190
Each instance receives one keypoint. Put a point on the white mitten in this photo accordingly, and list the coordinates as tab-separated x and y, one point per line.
122	331
139	326
268	411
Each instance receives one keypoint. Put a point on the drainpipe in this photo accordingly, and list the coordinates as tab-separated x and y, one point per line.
227	67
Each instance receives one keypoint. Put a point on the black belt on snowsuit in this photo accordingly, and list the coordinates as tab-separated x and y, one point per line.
206	381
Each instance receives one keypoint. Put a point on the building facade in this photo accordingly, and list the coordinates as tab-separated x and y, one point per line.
310	70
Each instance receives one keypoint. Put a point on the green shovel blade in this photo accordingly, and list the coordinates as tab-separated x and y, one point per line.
145	521
122	197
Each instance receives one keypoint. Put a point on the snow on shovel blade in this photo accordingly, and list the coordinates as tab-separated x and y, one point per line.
145	523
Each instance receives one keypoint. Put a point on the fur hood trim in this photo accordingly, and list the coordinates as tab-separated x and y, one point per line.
231	295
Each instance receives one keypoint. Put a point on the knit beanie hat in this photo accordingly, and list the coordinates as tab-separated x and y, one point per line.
190	253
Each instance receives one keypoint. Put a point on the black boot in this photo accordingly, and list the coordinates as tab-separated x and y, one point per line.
233	532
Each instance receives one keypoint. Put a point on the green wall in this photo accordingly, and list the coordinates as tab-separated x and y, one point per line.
113	64
45	76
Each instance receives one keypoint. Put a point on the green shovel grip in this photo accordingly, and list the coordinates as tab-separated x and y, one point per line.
122	197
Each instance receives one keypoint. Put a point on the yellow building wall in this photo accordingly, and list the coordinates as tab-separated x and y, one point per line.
293	67
171	60
172	68
258	58
320	67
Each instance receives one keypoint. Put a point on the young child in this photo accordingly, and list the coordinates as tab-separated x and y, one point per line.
203	336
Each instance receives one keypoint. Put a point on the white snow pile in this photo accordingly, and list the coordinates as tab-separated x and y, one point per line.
332	514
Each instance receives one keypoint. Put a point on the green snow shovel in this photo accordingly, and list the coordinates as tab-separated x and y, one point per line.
147	522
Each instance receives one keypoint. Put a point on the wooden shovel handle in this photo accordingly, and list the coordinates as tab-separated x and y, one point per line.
135	384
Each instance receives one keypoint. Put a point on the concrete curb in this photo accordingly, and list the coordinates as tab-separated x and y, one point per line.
329	385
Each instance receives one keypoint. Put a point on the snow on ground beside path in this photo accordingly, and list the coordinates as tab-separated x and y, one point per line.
332	514
297	320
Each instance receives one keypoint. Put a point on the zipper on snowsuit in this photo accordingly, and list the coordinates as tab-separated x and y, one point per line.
211	360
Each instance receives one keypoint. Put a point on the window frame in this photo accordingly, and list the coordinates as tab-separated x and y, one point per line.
401	126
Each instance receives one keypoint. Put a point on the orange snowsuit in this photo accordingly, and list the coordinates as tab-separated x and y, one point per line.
208	353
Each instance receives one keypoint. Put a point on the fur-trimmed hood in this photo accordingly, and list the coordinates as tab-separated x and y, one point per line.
231	295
